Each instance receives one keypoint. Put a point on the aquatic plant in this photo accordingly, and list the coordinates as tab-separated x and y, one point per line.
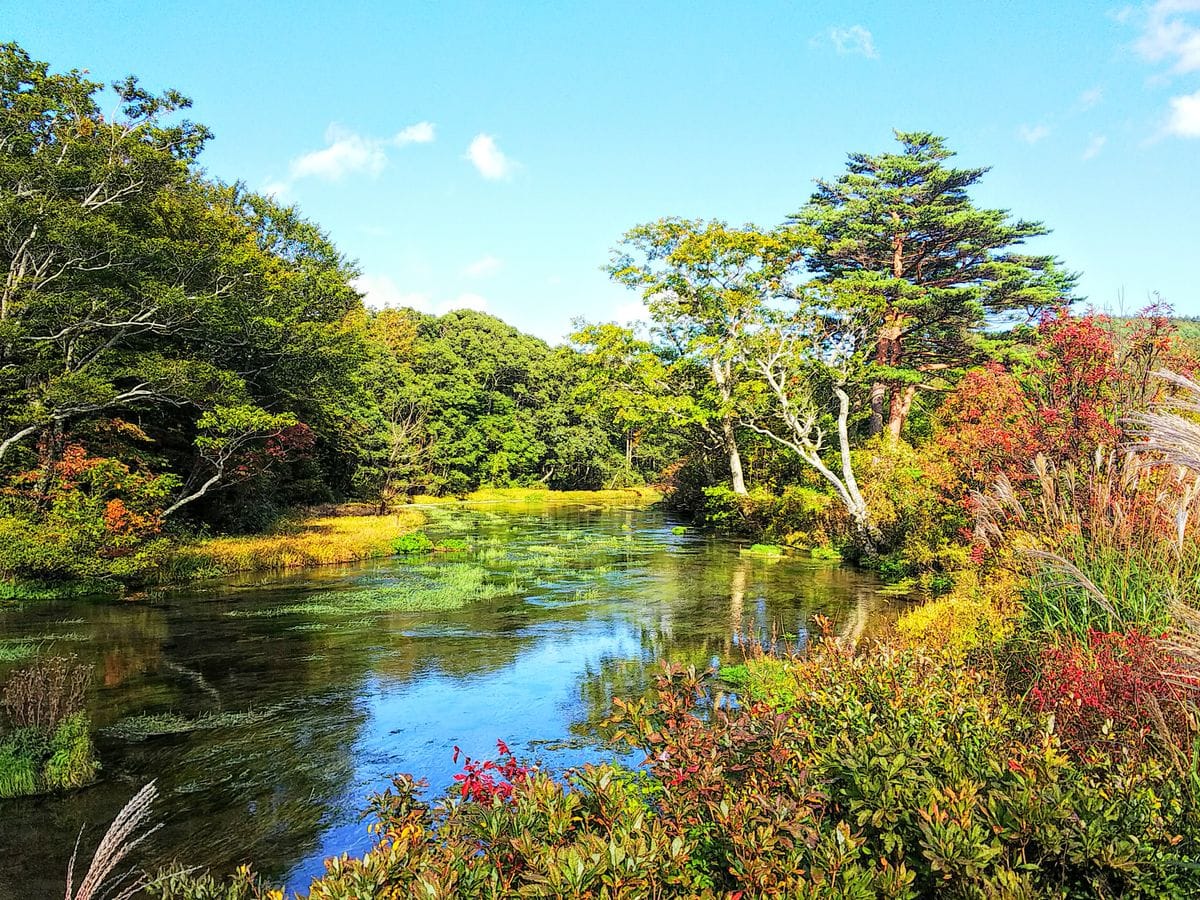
43	694
413	542
764	550
678	530
421	589
149	725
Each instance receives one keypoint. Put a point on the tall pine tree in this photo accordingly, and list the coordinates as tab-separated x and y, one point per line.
901	231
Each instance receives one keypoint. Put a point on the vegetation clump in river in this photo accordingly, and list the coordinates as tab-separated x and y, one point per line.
48	744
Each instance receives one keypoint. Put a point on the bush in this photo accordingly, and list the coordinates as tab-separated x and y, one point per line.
413	542
973	617
1111	689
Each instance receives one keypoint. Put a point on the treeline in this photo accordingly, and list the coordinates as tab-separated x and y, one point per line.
178	354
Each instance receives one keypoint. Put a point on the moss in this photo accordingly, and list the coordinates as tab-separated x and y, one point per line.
770	551
678	530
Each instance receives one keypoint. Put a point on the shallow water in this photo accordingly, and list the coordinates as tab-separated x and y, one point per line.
314	703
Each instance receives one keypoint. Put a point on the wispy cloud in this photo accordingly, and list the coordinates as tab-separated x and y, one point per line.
488	158
381	292
852	39
1091	98
347	153
1185	116
1095	145
484	266
1170	35
1031	134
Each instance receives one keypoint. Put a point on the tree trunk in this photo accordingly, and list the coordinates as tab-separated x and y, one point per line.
721	376
902	400
737	479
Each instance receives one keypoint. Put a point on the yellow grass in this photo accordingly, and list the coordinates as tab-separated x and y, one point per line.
299	543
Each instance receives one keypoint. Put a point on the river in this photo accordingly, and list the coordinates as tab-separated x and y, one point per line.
281	702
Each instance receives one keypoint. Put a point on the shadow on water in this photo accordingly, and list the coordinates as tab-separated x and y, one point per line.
269	708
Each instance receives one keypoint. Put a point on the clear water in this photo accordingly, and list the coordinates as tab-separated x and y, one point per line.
585	601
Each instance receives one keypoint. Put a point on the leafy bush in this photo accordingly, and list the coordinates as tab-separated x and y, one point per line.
1111	688
413	542
86	518
974	616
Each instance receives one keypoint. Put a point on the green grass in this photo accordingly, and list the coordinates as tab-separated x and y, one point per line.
434	588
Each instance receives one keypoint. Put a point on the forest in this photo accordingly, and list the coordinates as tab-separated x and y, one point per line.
886	376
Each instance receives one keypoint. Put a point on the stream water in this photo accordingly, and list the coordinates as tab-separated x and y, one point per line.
282	702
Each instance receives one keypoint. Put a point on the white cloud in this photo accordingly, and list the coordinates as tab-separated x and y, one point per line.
381	292
420	133
1185	116
345	152
1031	134
855	39
484	266
1095	145
1091	97
488	158
277	190
1169	35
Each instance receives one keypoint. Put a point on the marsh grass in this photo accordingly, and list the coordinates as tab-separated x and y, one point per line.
151	725
1109	544
299	543
423	589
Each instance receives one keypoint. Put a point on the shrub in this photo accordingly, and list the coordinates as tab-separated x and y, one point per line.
883	774
413	542
84	518
1111	688
975	616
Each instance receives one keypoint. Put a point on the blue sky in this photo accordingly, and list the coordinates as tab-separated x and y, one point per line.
490	154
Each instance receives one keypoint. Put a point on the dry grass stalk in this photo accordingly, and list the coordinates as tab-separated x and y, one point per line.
43	694
121	838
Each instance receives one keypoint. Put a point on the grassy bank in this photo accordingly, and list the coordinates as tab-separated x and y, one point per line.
298	543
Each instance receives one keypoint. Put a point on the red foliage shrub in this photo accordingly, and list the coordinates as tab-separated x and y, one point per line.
1114	678
483	780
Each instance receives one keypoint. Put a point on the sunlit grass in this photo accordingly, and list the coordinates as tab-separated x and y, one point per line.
297	544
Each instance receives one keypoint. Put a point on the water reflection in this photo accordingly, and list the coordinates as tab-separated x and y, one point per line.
582	604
